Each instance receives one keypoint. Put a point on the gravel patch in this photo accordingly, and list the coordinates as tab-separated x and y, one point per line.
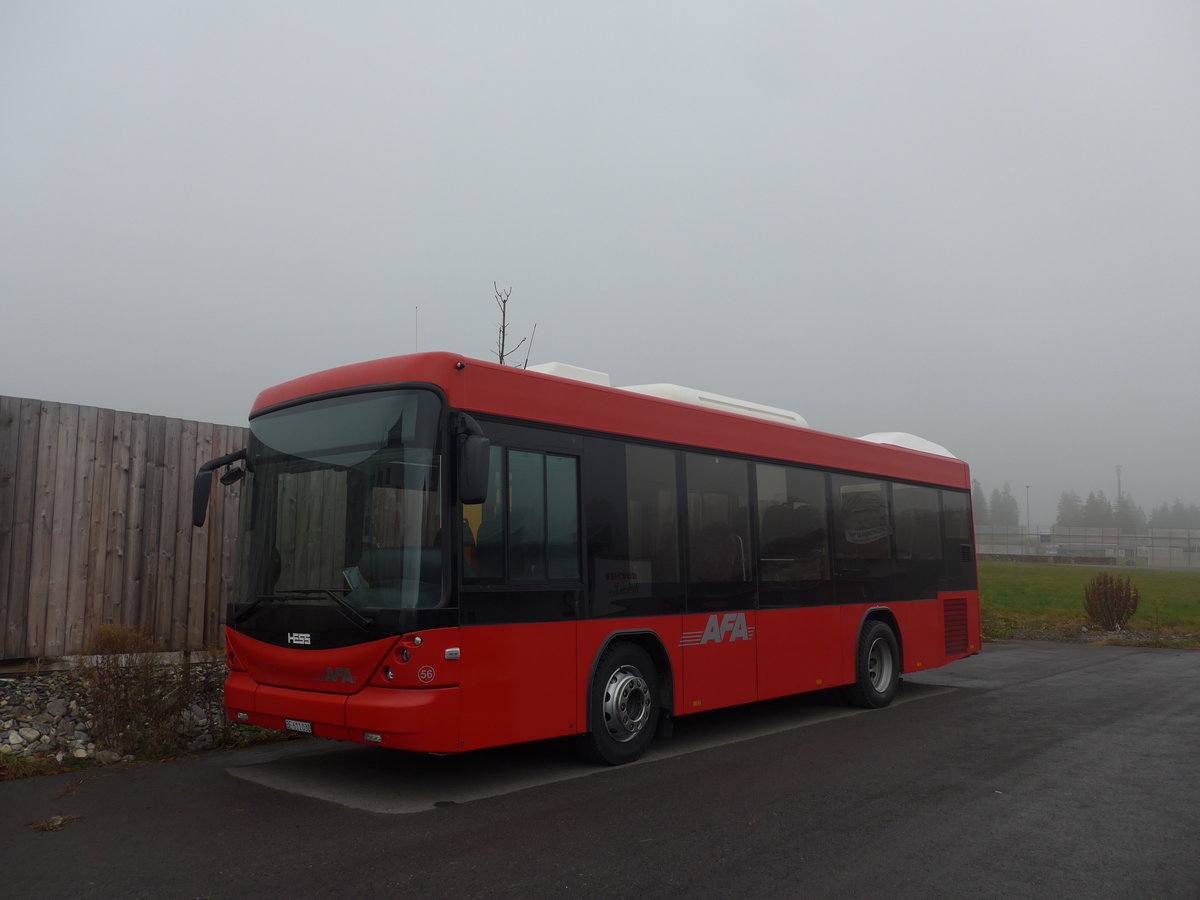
47	716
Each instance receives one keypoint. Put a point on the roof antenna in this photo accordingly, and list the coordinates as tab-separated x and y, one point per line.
530	347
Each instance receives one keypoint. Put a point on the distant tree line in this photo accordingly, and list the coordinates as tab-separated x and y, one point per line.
1001	509
1175	516
1096	511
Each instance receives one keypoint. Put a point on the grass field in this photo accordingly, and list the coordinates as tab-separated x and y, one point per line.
1046	600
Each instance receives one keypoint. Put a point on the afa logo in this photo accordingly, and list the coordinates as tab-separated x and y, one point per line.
722	629
345	676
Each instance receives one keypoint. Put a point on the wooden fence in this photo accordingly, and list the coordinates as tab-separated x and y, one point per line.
95	528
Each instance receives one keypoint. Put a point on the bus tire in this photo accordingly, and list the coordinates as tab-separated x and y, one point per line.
622	710
877	667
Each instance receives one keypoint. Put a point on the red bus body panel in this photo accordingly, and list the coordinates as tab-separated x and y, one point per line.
506	390
530	682
518	683
718	672
340	671
801	650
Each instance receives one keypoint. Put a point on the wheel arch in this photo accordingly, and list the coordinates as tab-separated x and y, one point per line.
655	649
888	618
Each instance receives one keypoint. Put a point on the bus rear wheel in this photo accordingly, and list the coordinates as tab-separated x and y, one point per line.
622	707
877	667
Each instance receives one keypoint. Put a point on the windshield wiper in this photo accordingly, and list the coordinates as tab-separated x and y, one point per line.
363	622
245	613
357	618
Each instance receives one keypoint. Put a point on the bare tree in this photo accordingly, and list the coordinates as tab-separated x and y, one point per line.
502	349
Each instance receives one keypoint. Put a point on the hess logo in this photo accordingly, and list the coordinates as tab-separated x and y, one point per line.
299	637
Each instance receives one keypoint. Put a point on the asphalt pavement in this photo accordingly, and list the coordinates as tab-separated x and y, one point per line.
1030	770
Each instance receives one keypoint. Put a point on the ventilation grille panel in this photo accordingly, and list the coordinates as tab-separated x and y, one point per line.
954	614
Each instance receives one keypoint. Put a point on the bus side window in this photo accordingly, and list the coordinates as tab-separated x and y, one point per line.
958	553
562	517
720	558
528	527
862	522
633	528
916	514
793	536
526	515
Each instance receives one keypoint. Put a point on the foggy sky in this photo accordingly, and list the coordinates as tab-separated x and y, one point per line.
978	222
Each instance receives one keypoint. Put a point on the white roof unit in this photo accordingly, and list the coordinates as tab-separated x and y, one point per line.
575	373
717	401
907	441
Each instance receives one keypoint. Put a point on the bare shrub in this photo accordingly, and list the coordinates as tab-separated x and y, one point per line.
134	698
1110	600
143	702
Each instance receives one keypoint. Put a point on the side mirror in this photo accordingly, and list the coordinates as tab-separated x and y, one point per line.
473	453
203	486
200	495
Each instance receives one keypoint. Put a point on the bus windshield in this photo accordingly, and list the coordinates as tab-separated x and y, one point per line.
345	504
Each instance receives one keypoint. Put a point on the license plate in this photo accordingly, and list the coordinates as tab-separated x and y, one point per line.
297	725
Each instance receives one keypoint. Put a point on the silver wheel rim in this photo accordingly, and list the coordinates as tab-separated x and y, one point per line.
880	665
626	704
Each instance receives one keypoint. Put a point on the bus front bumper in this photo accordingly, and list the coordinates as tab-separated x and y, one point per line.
423	719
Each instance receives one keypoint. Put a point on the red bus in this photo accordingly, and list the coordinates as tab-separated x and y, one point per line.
442	554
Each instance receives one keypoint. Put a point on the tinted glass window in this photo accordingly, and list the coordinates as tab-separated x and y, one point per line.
957	511
862	525
526	515
793	534
718	519
652	509
562	517
529	520
958	552
633	529
915	512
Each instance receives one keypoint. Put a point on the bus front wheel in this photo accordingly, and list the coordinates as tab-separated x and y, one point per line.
622	709
877	667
